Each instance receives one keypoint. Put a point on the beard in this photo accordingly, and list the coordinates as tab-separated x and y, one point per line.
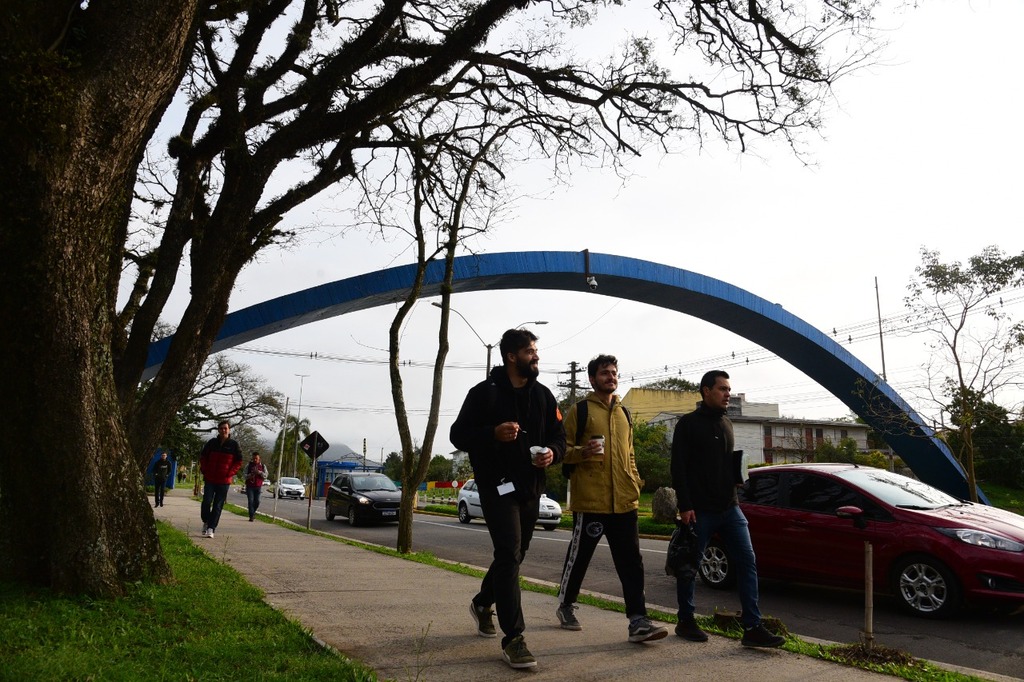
527	368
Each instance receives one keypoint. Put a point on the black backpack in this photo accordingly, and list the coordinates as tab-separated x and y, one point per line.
581	425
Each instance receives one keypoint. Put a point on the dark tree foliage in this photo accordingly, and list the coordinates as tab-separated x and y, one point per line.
998	446
673	384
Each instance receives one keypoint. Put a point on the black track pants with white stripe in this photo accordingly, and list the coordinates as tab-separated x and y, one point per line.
623	540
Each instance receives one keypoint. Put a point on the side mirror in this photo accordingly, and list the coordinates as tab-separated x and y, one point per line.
854	513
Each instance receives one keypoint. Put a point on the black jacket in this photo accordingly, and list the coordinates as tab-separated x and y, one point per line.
494	401
702	461
161	469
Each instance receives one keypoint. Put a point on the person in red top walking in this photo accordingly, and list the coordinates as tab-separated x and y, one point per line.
219	461
255	473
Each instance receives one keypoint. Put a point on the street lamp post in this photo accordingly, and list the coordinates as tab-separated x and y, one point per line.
298	422
488	346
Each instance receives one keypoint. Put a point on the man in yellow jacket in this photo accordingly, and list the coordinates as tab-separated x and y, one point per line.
604	494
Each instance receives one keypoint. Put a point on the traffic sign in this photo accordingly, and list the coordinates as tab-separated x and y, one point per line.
314	445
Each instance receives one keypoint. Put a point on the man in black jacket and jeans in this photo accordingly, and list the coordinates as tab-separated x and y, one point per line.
704	478
500	420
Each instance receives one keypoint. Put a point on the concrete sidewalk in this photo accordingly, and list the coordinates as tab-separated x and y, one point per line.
409	621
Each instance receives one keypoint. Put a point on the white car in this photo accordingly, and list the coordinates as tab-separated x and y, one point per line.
290	487
469	507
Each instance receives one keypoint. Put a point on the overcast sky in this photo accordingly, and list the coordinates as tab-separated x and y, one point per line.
924	150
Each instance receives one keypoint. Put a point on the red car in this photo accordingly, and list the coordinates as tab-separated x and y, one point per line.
932	551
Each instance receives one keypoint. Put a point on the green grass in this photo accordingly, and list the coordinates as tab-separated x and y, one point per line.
208	624
1010	499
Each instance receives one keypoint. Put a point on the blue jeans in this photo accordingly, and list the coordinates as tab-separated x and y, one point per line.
252	493
214	496
731	527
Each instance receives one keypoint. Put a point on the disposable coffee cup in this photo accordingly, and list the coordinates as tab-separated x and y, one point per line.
536	451
599	441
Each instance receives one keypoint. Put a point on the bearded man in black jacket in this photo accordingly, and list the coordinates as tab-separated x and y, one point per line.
502	418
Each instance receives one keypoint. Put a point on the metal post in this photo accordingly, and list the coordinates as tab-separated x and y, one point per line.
881	343
868	636
312	489
298	422
280	454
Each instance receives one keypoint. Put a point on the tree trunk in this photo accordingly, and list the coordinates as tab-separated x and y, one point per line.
82	94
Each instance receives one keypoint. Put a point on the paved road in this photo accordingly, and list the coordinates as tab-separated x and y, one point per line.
980	641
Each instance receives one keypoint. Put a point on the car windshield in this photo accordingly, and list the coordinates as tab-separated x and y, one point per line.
367	483
899	491
290	481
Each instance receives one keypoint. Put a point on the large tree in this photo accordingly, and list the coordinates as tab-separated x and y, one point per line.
81	92
268	86
977	349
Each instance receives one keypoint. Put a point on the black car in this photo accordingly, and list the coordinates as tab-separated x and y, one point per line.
362	497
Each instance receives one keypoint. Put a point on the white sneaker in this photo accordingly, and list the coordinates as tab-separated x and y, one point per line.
209	533
205	529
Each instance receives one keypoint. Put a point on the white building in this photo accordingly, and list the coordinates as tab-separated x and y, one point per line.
767	438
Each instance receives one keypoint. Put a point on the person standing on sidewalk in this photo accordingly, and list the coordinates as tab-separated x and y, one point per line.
500	420
220	460
704	478
605	495
255	473
161	472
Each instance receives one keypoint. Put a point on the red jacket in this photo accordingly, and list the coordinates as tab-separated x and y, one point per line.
219	462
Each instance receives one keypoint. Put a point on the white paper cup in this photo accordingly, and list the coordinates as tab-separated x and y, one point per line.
536	451
599	441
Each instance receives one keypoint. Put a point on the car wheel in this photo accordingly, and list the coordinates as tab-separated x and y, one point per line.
353	519
715	568
924	586
548	526
328	512
464	516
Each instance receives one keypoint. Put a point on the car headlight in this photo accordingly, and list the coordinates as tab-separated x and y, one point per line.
363	500
980	538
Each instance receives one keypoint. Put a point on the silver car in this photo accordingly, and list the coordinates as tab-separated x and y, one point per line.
290	487
550	512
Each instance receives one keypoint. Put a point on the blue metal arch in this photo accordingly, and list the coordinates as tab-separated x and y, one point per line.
764	323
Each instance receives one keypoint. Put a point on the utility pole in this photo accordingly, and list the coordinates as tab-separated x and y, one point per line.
572	384
881	342
298	422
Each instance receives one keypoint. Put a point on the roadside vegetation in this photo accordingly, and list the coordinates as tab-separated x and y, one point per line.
1004	497
207	624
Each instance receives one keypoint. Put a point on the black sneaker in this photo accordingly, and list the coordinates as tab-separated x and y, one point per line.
567	617
483	618
688	629
517	655
643	630
759	637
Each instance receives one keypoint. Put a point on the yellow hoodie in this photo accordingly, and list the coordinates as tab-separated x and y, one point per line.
611	485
